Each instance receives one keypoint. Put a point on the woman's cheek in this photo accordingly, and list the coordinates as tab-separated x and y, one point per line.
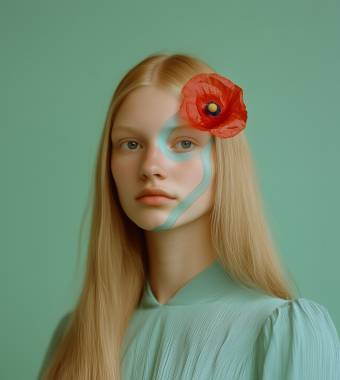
190	172
120	167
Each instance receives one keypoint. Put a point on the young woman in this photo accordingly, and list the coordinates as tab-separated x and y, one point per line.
185	284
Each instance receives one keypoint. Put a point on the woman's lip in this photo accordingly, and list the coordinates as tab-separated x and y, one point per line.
155	194
155	199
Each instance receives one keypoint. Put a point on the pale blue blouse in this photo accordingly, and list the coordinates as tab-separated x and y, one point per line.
216	328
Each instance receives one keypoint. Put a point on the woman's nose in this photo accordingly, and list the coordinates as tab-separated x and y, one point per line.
153	162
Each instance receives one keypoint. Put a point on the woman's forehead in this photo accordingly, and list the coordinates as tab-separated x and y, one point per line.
148	110
147	105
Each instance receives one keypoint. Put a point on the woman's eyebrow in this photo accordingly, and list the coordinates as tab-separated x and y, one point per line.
124	127
138	130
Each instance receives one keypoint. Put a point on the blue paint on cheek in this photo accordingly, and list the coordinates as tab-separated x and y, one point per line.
207	171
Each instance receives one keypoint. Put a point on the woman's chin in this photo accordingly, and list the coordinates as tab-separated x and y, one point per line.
150	222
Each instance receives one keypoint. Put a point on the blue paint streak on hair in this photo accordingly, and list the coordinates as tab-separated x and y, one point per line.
162	139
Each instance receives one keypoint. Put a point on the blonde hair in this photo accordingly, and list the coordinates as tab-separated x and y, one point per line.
89	345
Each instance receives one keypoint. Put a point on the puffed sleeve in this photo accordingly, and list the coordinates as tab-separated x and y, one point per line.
298	341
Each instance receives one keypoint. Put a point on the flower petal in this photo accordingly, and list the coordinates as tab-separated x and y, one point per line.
204	88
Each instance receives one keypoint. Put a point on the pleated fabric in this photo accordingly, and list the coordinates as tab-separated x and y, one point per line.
298	341
216	328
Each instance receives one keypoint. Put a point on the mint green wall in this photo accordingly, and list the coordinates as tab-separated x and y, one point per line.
60	62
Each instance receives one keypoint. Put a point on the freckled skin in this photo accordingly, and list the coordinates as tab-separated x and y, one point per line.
187	173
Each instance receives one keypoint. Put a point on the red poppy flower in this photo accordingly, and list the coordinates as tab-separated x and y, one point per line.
213	103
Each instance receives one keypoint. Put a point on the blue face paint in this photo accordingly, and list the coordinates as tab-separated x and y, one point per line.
162	139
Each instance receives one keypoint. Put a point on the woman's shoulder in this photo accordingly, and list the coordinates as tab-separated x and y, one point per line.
300	318
271	308
301	312
54	340
298	339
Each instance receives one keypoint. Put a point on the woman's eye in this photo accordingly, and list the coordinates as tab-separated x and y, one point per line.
132	145
187	144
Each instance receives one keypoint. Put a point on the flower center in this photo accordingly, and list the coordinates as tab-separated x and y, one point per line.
212	109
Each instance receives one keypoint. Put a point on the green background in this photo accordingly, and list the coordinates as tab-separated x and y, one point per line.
60	62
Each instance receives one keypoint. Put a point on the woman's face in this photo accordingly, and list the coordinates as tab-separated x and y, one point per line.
152	148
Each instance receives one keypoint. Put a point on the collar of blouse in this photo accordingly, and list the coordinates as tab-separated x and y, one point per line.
208	285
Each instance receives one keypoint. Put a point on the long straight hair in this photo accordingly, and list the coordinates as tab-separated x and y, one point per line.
90	344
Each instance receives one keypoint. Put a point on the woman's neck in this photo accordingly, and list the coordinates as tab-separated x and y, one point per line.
176	255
